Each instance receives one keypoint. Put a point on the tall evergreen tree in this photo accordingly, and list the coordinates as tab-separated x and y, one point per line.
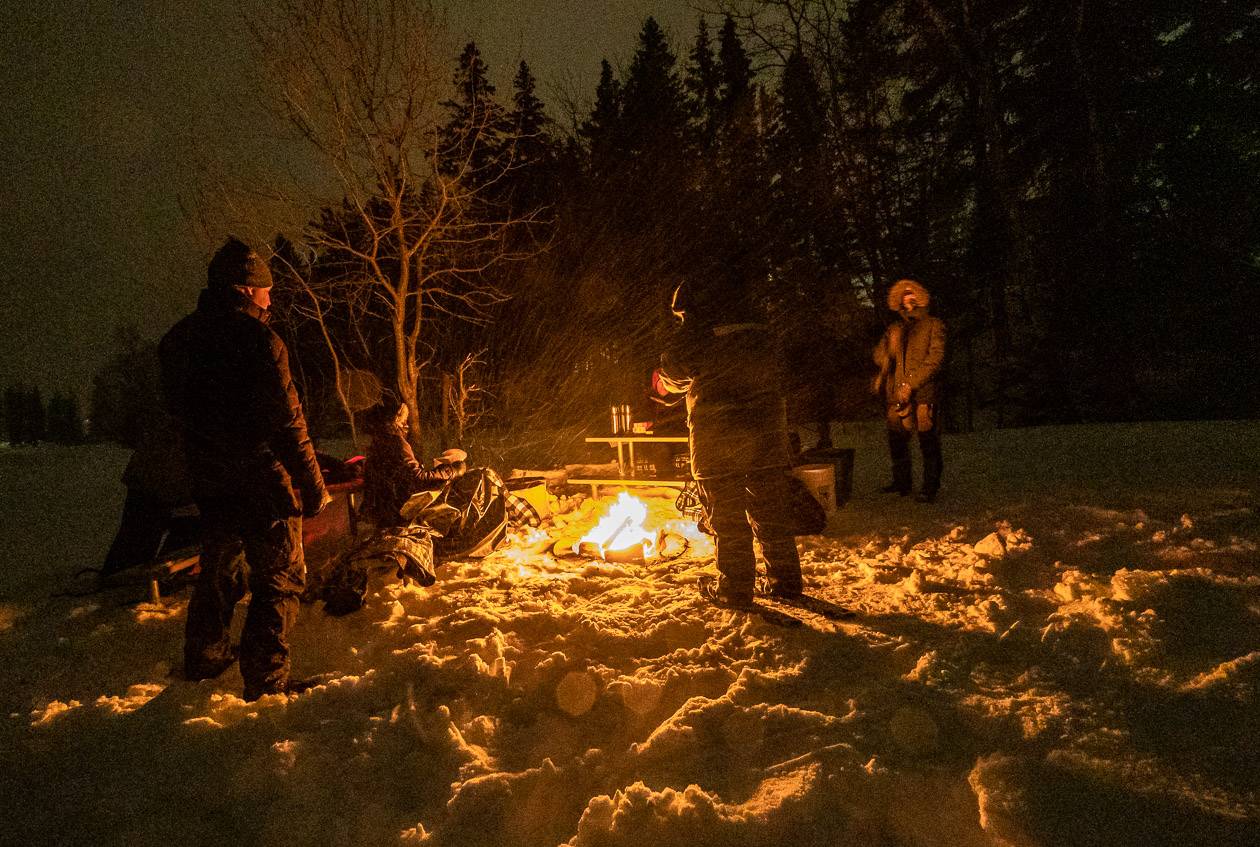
527	120
125	390
532	150
36	416
734	71
14	415
602	130
653	111
796	155
470	143
702	81
64	424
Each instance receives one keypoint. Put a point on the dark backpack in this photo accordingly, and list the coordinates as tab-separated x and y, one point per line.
808	517
805	515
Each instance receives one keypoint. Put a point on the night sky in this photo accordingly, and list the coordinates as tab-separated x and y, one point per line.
110	105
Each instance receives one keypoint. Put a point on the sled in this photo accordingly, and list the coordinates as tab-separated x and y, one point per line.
323	538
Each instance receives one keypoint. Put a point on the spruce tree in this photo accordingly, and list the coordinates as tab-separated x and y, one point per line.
602	130
532	149
527	120
796	153
470	143
14	414
653	111
74	421
734	71
64	424
37	417
701	82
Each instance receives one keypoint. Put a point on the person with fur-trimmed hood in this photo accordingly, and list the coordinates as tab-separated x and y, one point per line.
909	358
254	474
729	365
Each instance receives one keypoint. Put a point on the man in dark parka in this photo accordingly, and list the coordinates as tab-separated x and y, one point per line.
226	381
909	357
730	366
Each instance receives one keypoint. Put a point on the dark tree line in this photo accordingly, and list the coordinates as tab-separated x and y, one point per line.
26	419
1076	184
1075	181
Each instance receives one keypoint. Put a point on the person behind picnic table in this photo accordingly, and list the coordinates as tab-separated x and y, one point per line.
728	363
253	469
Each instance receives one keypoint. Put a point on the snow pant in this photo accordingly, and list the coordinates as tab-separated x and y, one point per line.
274	571
921	419
742	507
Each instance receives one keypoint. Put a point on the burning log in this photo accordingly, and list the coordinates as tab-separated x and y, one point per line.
620	536
621	530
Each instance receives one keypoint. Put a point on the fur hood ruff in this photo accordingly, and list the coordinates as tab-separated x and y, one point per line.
901	287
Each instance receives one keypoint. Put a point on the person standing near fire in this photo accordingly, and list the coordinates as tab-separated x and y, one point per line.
226	381
909	357
729	365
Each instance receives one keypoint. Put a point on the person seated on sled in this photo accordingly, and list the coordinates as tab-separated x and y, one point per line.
391	473
158	513
727	362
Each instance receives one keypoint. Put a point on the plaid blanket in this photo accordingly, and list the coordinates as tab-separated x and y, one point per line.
520	512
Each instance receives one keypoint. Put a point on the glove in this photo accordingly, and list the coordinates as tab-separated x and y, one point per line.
903	393
659	389
314	502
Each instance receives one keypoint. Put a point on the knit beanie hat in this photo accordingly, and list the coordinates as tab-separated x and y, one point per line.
236	263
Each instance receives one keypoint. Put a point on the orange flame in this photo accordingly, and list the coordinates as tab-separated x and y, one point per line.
622	528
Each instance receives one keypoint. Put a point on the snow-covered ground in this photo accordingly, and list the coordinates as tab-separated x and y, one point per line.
1064	651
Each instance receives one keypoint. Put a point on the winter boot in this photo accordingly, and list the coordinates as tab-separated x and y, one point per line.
719	593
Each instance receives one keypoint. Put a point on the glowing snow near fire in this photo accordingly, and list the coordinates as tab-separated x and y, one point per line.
1064	650
622	528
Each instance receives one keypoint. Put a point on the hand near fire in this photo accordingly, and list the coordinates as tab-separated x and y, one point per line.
452	456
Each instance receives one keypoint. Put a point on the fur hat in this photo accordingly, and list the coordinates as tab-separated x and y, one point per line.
901	288
450	457
236	263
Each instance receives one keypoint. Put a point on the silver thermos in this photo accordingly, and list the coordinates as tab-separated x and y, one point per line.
622	424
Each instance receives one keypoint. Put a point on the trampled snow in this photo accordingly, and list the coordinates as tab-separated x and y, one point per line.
1065	650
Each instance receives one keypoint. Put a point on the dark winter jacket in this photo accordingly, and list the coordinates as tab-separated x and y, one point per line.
912	350
226	381
392	474
733	375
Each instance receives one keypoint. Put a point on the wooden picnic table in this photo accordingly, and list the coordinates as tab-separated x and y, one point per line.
625	461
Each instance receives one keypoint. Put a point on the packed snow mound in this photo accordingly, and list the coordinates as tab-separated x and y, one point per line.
1035	660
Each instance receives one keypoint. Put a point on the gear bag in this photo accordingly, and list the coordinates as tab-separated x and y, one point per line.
468	514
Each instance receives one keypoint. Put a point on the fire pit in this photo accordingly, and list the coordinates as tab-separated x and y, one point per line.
624	532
